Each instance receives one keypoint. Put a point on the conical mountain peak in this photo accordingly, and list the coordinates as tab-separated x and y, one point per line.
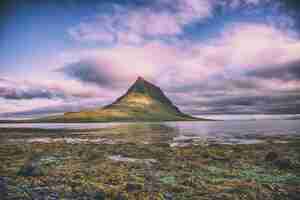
143	101
142	86
147	89
140	78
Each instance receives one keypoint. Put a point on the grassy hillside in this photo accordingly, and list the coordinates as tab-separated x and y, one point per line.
142	102
133	107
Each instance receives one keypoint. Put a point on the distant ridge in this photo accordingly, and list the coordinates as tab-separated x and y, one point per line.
142	102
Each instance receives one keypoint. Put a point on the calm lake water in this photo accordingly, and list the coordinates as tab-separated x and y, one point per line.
217	129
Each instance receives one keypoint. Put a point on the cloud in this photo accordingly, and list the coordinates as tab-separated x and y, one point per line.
25	98
90	32
256	104
252	45
121	65
286	72
248	67
240	71
89	71
25	90
240	48
11	91
133	24
240	95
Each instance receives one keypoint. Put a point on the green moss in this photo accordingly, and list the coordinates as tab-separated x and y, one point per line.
83	171
170	180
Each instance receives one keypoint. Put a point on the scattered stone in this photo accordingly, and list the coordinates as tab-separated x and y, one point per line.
31	168
131	187
54	196
168	196
180	173
185	141
39	166
43	193
294	195
120	197
180	144
100	195
271	156
120	158
3	188
284	163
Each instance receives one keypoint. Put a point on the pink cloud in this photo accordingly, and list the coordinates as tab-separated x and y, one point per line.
130	26
254	45
90	32
54	89
240	47
190	10
181	63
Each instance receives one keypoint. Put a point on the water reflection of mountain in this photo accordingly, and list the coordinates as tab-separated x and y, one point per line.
141	132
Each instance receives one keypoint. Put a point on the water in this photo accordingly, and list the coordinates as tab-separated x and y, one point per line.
239	128
175	133
239	117
59	125
258	127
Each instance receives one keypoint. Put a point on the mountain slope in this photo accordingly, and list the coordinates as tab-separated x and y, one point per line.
142	102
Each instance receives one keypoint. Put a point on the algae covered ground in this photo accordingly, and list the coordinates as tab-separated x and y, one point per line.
144	162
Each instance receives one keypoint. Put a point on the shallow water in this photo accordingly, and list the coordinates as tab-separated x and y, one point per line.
174	133
261	127
239	117
238	128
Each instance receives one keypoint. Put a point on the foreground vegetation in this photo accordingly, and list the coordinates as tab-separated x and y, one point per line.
144	165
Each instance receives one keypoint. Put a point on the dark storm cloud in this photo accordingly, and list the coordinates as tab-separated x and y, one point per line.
239	95
216	85
292	7
289	71
90	72
246	105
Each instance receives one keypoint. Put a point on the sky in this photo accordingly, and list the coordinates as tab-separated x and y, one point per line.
208	56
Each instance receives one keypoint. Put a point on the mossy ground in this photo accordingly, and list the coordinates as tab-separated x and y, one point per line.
84	171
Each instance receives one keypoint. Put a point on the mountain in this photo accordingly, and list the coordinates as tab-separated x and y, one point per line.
142	102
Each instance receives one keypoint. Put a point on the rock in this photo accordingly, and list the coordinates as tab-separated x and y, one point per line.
3	188
271	156
130	187
168	196
120	197
54	196
284	163
43	193
31	168
119	158
294	195
100	195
